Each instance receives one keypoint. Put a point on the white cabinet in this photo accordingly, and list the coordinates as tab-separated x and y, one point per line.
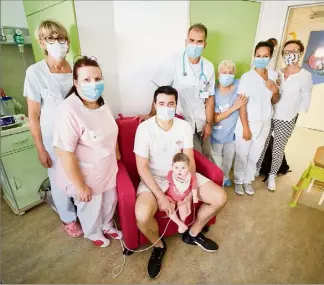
21	172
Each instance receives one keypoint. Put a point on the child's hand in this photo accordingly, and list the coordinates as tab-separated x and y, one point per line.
195	196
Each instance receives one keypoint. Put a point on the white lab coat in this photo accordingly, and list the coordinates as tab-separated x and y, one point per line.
50	90
190	103
259	111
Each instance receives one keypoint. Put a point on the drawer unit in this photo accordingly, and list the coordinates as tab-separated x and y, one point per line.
14	142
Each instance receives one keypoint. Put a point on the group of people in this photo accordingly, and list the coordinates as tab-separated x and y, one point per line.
76	135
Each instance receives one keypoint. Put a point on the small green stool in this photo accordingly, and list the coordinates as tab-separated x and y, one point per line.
314	172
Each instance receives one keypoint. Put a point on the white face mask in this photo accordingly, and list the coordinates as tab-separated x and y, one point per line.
57	50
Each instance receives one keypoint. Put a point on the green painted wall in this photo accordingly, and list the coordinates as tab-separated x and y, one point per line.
231	30
61	11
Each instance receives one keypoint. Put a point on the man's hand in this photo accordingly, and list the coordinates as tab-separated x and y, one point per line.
240	101
206	132
271	86
247	135
45	158
143	117
165	205
84	194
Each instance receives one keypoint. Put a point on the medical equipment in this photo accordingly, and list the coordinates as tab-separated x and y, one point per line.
11	121
201	75
123	246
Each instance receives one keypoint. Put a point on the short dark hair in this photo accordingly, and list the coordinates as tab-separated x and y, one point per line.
168	90
297	42
181	157
264	44
199	27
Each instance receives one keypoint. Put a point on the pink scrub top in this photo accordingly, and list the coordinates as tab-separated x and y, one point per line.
92	136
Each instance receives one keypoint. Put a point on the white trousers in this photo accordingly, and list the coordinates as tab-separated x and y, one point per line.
96	216
223	155
248	154
63	203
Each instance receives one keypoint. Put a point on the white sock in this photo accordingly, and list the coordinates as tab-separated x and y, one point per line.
190	233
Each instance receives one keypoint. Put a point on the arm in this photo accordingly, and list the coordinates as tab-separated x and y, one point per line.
210	107
306	91
148	179
194	193
275	95
244	119
72	169
118	155
34	125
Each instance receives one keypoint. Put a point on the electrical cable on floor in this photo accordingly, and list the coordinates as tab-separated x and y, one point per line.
123	246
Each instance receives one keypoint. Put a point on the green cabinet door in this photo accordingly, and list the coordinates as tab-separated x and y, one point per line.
33	6
231	30
63	13
25	175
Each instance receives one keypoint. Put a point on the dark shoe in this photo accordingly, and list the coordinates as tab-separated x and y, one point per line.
155	262
200	240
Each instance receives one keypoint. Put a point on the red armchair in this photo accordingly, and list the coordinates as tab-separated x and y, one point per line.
128	180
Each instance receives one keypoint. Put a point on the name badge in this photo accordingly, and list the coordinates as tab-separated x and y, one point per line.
219	127
204	94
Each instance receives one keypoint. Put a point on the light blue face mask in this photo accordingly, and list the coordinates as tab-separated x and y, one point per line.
261	62
194	51
226	79
91	91
165	113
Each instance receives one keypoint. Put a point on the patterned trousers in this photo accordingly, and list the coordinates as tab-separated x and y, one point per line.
282	132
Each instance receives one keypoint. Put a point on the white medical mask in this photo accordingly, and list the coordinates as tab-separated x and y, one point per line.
165	113
226	79
91	91
57	50
194	51
291	58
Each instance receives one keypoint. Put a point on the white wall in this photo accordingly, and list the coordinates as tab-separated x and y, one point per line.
13	14
145	32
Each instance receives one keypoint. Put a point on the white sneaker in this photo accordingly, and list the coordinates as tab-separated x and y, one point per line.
239	189
249	189
272	182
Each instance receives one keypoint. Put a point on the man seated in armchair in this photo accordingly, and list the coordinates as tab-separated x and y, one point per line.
157	140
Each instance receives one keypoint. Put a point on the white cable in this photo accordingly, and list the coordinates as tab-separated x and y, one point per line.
123	246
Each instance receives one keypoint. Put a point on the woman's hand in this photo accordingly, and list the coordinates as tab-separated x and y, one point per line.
143	117
45	158
165	205
240	101
84	194
271	86
247	135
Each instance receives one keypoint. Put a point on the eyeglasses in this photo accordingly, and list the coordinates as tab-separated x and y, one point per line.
294	51
51	40
78	57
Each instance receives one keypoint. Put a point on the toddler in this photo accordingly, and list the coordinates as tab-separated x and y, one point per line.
182	189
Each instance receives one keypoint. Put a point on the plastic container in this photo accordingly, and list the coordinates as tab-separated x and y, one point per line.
6	106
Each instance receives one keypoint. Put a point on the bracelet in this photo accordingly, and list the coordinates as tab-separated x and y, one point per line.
209	123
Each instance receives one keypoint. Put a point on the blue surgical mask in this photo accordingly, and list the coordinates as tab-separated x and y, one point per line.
226	79
91	91
165	113
261	62
194	51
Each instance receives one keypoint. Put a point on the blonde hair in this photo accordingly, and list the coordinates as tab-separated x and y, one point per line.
227	64
48	28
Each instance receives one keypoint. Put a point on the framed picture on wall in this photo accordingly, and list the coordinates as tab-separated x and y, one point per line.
314	56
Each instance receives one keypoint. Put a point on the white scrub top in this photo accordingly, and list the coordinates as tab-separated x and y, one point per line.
191	103
49	89
259	107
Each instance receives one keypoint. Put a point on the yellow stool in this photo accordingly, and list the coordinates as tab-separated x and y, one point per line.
314	172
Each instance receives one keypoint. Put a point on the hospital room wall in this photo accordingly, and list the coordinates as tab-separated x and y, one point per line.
131	39
231	27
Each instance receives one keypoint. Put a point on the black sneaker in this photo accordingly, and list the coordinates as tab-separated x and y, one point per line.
200	240
155	262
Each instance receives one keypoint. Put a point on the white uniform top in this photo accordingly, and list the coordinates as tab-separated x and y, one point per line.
259	106
49	89
295	94
191	103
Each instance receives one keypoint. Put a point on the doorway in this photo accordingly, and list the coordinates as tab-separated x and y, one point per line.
305	23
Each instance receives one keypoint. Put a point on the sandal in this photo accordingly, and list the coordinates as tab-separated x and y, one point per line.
73	229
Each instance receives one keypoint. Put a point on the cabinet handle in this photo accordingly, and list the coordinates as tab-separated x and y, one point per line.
17	185
19	142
